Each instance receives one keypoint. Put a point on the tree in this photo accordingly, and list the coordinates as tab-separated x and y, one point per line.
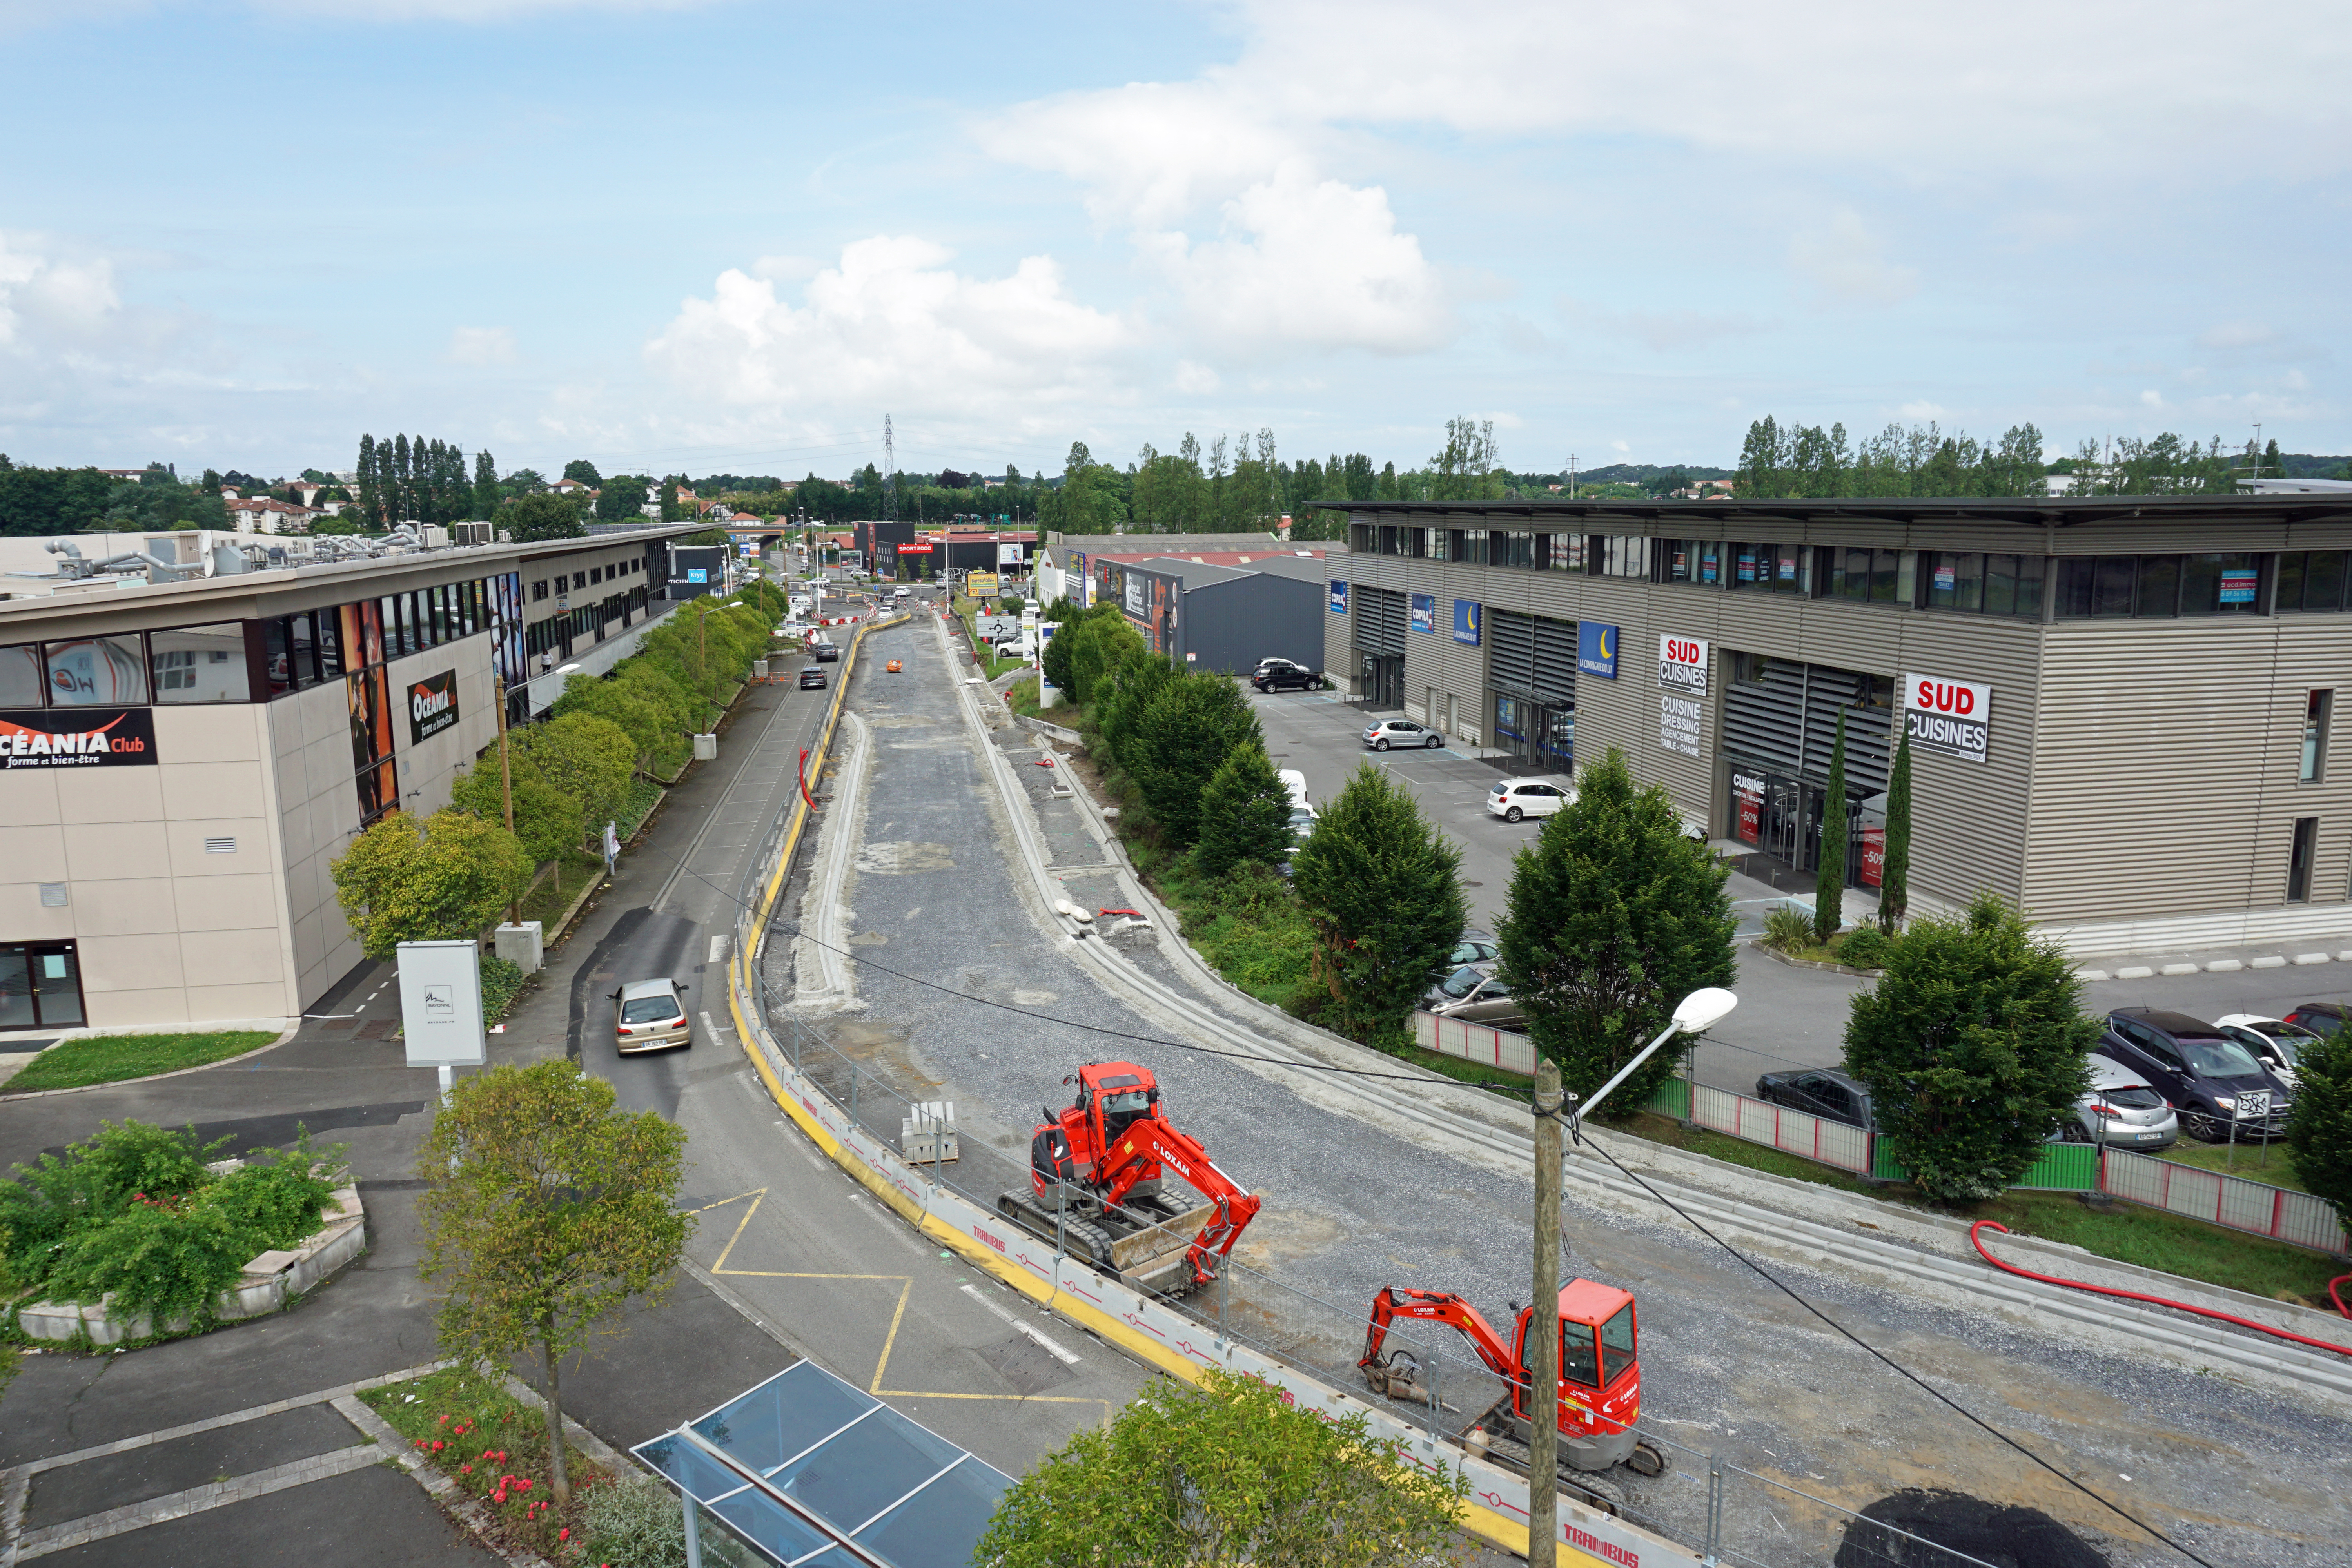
623	498
544	1208
447	880
1178	743
583	472
1245	813
1614	915
1227	1472
1829	884
1381	888
546	822
2319	1126
1973	1046
485	495
589	758
1895	864
543	515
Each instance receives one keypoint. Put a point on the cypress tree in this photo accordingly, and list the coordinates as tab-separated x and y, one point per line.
485	484
1178	743
1894	870
1245	813
1614	917
371	495
1829	889
2319	1127
401	494
1382	889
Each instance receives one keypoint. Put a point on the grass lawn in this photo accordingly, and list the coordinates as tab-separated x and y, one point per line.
2276	1168
2126	1233
547	901
110	1058
642	796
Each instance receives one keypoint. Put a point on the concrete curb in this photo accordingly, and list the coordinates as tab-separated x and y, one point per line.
1777	956
284	1039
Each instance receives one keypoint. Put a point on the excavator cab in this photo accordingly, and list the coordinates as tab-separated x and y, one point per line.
1600	1366
1115	1096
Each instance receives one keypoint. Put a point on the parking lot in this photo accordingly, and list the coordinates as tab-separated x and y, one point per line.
1788	1017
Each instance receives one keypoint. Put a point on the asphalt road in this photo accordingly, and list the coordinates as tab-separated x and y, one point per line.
966	998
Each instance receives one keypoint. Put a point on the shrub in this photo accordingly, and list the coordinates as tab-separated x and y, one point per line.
2319	1127
501	982
1865	947
397	884
1788	930
1383	889
634	1524
1245	813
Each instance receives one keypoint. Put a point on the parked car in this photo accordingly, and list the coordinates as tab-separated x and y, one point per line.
811	675
1474	994
1512	799
2200	1070
2273	1041
1274	674
1476	947
1295	783
1821	1091
1302	822
2324	1018
2121	1108
1382	733
650	1015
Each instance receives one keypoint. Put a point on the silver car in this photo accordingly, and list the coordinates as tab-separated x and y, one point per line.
650	1015
1382	733
1475	995
2121	1109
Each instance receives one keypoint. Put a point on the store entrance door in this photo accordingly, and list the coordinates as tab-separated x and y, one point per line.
41	987
1384	680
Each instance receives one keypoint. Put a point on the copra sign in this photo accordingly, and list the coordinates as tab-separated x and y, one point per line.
85	738
432	705
1682	664
1953	717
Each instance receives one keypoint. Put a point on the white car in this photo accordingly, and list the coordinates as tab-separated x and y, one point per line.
1295	783
1382	733
1512	799
2121	1109
2273	1041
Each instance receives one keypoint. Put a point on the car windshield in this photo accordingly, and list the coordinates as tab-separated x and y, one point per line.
2320	1023
2134	1099
2217	1059
1461	983
647	1009
2285	1045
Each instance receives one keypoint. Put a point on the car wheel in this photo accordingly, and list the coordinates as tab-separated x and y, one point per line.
1433	741
1381	744
2204	1129
1514	815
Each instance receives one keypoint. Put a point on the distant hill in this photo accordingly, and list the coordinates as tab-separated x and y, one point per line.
1645	473
2303	466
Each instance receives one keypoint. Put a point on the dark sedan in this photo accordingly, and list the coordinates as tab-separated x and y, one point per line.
813	674
2325	1018
2200	1070
1819	1091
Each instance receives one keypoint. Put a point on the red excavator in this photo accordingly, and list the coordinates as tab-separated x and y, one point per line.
1096	1171
1599	1373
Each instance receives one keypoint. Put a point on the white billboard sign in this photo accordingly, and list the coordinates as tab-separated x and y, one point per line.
441	1004
1951	716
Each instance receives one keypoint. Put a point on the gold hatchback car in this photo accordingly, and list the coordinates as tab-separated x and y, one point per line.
650	1015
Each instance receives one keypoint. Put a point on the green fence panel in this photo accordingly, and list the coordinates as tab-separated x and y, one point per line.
1882	1163
2063	1168
1671	1097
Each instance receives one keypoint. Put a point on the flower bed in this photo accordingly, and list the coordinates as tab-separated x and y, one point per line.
494	1448
136	1236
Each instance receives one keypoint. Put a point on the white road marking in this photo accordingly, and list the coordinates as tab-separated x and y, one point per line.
708	1027
718	948
1056	1351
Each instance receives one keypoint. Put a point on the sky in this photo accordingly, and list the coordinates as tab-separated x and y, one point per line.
680	236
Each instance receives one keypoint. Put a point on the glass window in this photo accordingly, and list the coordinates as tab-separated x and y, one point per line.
329	645
2323	581
2160	587
303	645
1793	570
1576	1359
2111	584
1751	563
96	671
1710	561
1905	577
20	676
538	588
200	664
2316	708
2220	584
1567	552
1849	574
2029	572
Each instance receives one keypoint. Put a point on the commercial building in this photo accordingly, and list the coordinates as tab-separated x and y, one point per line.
2120	710
1221	618
181	762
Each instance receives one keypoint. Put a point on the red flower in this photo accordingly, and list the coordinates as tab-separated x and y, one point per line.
466	1469
436	1445
564	1534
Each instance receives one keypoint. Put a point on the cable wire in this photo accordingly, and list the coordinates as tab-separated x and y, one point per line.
1899	1369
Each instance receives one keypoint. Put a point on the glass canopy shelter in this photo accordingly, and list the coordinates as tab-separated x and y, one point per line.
805	1469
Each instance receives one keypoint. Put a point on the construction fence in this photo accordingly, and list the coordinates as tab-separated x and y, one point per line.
2257	1208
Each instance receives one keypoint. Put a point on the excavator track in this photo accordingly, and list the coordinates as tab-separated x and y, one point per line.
1081	1235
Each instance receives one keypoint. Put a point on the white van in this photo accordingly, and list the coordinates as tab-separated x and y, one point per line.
1295	783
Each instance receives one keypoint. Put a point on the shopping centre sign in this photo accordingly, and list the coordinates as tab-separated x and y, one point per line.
1953	717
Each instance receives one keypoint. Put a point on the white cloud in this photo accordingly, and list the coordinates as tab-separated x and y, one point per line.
52	303
1845	260
1196	380
1303	262
1662	331
2151	398
892	324
481	345
1920	411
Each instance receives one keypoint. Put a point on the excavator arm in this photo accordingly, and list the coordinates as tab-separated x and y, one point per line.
1438	1307
1148	1142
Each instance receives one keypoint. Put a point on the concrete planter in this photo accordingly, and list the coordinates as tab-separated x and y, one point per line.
268	1283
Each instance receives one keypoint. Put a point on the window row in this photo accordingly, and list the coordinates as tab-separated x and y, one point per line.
576	581
240	661
2161	586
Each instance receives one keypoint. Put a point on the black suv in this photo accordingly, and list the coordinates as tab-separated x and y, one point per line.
1821	1091
1274	674
2200	1070
2321	1017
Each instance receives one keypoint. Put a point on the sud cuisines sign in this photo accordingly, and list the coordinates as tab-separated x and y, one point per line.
83	738
1954	717
432	705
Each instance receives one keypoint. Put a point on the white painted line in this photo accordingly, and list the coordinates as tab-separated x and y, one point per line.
1058	1354
708	1027
718	948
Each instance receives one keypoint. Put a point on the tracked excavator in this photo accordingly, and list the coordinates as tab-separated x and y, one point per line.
1096	1175
1599	1396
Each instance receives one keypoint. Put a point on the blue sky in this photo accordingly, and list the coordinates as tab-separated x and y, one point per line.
732	237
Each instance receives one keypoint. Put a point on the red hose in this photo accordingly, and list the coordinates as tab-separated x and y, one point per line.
2158	1300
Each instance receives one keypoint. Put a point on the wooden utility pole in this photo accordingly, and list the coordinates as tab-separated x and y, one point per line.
1543	1334
506	786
